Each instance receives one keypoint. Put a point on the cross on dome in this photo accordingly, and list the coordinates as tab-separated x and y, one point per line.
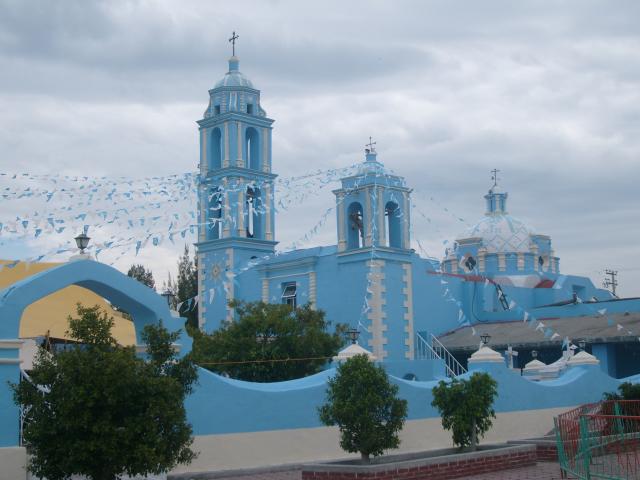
371	146
494	176
232	40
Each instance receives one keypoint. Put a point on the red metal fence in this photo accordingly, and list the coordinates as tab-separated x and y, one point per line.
600	440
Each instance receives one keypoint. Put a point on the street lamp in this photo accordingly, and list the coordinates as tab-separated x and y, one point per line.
353	335
168	296
534	354
485	337
82	241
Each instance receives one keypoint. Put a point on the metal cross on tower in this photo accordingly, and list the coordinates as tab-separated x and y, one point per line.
233	39
494	176
371	145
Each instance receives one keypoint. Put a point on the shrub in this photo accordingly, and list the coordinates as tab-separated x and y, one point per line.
363	403
466	407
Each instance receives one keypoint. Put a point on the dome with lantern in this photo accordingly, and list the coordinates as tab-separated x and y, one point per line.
500	242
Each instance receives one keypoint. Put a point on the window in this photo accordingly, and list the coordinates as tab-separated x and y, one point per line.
250	108
289	294
470	263
216	109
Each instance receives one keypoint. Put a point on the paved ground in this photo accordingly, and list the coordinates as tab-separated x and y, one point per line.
541	471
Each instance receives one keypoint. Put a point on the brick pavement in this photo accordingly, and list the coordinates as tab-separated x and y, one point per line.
540	471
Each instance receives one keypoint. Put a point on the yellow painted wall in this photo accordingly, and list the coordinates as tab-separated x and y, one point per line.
50	314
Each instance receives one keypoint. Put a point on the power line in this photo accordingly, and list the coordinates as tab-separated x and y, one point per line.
610	282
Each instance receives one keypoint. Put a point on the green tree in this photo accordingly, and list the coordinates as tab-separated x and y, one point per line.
466	407
143	275
363	403
186	289
628	391
99	410
258	345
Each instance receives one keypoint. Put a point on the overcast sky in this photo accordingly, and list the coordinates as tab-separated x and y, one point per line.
547	92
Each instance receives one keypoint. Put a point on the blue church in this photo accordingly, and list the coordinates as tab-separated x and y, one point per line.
499	278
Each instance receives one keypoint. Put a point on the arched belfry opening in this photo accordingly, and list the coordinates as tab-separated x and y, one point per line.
252	148
393	216
216	208
215	149
253	212
355	222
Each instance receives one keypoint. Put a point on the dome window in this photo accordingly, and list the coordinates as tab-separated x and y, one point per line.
541	261
470	263
216	109
250	108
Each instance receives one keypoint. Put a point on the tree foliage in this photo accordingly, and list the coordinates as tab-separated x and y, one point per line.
186	288
363	403
258	344
144	276
466	407
627	391
97	409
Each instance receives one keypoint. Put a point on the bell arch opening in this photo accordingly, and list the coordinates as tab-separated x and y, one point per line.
252	148
394	228
355	230
253	212
215	149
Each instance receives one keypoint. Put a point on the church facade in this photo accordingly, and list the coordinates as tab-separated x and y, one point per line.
499	270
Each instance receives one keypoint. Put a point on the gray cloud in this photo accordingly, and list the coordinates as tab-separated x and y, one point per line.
546	92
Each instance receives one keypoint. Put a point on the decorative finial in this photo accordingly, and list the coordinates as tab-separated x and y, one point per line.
233	39
371	146
494	176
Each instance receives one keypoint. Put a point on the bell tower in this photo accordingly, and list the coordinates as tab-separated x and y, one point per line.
236	194
373	208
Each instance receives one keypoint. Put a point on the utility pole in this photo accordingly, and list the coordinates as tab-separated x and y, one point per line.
611	282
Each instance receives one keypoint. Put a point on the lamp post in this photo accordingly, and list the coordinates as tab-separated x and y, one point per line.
534	354
82	241
169	296
485	337
353	335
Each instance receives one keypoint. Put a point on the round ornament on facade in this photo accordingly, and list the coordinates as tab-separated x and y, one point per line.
216	271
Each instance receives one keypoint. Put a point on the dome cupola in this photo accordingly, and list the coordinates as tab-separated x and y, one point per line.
234	77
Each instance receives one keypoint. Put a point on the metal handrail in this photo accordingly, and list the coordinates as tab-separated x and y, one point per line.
436	350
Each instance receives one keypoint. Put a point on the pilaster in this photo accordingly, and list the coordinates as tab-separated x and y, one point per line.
377	314
239	160
243	211
225	160
342	241
265	150
381	234
406	221
312	289
368	218
268	234
502	262
407	292
229	283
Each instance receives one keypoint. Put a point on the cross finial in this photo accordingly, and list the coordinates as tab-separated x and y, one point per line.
371	146
494	176
233	39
